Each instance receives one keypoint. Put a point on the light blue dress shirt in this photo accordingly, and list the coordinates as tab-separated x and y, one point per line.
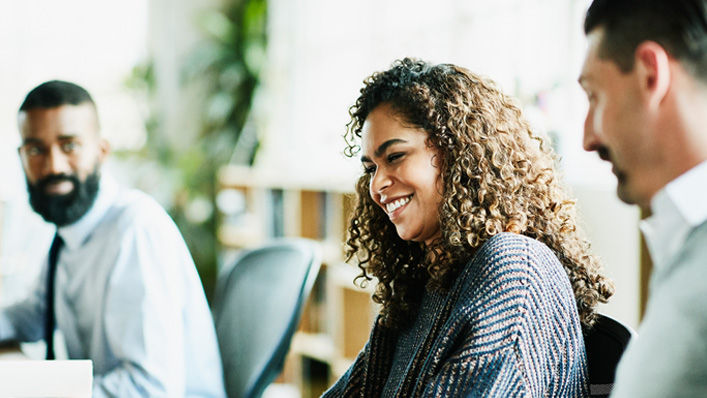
129	298
668	357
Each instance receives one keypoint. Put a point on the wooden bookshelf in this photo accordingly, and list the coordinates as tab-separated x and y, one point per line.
338	316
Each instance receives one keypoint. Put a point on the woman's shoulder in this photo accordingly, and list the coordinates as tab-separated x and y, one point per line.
517	276
511	282
510	250
508	241
513	264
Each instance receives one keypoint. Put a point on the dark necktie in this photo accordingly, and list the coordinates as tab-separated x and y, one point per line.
49	313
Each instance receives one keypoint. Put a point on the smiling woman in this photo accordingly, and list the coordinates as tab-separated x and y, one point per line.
484	278
403	175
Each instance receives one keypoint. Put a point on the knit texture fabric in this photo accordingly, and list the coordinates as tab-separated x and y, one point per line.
508	327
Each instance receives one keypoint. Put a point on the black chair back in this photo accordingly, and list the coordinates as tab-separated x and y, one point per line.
605	343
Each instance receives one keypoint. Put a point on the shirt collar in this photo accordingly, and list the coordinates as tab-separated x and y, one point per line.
677	208
75	235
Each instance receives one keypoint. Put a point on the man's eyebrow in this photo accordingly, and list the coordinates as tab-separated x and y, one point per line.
64	137
31	140
382	148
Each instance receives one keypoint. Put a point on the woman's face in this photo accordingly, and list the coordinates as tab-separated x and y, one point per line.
404	174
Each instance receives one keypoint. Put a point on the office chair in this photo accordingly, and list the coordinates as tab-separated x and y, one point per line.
605	343
257	306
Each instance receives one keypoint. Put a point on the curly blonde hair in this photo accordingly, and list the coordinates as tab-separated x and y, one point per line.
497	176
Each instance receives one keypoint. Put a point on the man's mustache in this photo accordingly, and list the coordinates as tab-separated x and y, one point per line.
41	185
603	153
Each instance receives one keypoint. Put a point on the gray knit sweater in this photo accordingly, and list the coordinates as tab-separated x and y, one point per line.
508	327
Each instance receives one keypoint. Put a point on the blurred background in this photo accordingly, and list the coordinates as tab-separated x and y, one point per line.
230	113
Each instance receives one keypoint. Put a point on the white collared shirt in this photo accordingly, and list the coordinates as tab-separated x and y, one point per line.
677	209
129	298
668	357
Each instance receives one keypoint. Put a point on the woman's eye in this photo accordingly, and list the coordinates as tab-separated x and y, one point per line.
369	169
395	156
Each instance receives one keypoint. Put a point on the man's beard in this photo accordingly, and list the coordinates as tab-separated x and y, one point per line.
65	209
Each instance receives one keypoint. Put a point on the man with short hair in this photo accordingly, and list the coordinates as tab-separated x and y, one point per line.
119	283
645	75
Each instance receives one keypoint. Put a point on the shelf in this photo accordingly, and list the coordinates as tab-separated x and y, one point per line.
314	345
235	175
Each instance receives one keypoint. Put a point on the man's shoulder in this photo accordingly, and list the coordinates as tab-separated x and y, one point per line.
679	288
697	239
133	208
690	260
672	330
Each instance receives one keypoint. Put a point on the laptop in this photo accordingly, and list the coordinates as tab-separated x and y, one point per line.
39	378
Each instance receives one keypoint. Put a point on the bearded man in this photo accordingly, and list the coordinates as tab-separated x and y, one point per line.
119	282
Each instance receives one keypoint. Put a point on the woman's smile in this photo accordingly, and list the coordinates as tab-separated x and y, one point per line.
395	207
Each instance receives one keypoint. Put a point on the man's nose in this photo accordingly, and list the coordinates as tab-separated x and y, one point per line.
590	142
57	162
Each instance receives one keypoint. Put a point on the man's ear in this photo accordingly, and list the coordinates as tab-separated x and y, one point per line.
103	149
652	64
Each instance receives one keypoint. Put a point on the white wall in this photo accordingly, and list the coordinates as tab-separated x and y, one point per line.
320	51
612	227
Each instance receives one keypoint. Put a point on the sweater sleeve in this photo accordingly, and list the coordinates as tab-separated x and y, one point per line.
493	375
